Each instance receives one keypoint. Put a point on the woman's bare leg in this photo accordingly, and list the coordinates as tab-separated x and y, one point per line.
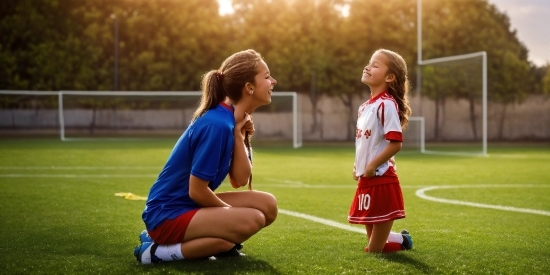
217	229
265	202
234	224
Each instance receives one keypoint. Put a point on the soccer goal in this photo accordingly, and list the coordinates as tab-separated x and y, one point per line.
100	115
453	101
454	104
136	115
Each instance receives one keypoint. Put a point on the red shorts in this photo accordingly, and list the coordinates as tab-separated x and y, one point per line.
376	203
172	231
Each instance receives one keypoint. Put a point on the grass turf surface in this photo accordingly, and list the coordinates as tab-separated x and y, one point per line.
60	216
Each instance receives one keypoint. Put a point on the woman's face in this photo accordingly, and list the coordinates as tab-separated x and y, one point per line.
374	74
264	84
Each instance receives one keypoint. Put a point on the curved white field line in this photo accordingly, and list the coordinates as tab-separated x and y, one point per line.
421	193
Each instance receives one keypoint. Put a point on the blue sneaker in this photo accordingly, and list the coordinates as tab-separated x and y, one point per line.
145	253
144	237
407	240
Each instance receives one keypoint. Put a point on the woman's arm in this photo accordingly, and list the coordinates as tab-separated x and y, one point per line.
202	195
384	156
241	167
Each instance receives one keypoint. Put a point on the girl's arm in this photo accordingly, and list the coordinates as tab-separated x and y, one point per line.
202	195
241	168
384	156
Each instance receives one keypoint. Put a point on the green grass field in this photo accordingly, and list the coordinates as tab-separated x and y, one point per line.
59	214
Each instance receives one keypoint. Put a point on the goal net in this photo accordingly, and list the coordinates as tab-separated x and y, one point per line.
453	103
98	115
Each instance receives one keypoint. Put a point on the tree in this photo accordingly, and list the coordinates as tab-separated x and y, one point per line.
371	25
459	27
296	41
546	81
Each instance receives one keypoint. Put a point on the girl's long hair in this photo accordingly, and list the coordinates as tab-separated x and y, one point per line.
399	88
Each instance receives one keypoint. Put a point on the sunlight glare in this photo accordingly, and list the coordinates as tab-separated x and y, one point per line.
344	9
225	7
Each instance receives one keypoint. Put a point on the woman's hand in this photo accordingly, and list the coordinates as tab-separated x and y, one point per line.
244	125
241	167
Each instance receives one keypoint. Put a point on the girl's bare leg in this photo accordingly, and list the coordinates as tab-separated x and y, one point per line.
379	236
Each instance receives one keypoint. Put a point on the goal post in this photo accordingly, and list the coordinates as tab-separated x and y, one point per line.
413	135
457	115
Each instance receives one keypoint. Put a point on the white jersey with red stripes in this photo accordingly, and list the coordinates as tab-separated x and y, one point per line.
377	124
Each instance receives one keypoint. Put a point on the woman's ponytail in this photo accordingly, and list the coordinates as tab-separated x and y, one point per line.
212	92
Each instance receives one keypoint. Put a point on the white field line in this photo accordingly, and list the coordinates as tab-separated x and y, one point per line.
78	176
299	184
289	184
519	156
78	167
323	221
421	193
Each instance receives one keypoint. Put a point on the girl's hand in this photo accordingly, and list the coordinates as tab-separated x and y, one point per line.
392	161
354	176
369	171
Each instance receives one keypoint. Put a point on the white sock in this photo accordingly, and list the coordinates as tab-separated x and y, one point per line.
171	252
395	237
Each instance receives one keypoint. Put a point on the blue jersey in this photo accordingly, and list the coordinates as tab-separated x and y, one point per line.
204	150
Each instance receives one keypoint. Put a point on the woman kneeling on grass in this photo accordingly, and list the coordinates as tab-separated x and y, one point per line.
378	200
184	218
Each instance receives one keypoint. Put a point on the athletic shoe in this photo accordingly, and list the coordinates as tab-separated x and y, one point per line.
144	237
233	252
407	240
145	253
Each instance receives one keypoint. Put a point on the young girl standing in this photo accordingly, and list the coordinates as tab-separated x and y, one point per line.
378	199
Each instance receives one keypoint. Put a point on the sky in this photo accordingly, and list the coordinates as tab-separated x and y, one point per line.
530	19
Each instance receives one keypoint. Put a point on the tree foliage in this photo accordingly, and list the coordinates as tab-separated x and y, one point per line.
310	46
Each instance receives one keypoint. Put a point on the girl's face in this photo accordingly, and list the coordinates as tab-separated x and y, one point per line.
264	84
376	72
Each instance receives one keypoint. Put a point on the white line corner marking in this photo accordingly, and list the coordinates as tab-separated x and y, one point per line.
421	193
